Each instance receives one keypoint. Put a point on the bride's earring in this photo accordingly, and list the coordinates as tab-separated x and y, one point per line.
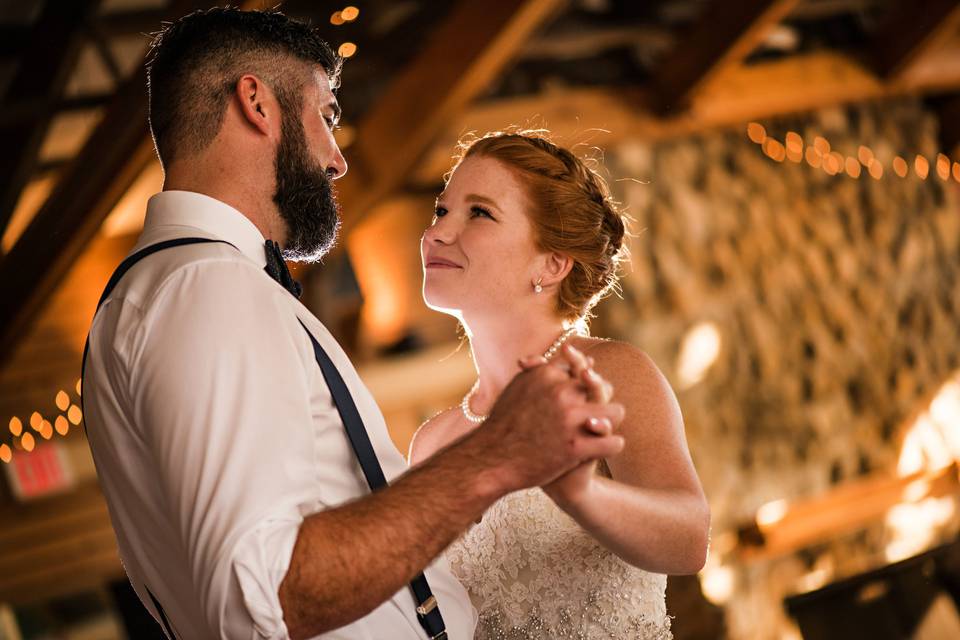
537	288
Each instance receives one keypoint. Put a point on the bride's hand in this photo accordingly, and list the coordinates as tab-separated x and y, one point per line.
573	486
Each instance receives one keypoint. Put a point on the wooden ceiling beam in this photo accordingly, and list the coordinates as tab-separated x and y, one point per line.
459	61
92	184
604	116
722	38
910	32
42	74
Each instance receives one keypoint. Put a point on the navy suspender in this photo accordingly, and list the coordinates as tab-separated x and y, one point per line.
428	613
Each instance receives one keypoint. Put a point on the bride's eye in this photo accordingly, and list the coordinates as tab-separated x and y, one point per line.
439	212
480	211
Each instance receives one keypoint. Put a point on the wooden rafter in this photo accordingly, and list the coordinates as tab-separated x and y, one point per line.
42	76
724	36
910	32
111	159
459	61
764	90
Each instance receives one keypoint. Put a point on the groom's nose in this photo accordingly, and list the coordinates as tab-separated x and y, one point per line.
337	166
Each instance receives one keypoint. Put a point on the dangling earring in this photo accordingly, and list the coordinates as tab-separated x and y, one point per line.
537	288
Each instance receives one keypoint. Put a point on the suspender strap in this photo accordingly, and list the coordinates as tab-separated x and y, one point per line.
428	613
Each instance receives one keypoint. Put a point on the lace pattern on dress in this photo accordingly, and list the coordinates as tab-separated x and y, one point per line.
533	572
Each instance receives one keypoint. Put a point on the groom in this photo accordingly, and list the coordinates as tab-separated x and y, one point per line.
239	505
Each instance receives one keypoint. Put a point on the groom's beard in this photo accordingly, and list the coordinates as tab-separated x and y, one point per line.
304	197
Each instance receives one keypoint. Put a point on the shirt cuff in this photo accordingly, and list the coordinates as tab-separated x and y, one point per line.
260	562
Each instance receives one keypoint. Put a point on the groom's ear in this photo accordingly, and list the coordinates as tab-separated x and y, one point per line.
258	105
556	268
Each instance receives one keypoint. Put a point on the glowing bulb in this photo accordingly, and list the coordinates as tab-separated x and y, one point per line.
698	351
46	430
347	49
28	442
821	145
852	165
63	400
956	171
771	513
36	420
74	414
814	159
78	386
6	454
349	14
774	150
61	425
921	166
756	132
794	142
943	166
337	18
900	167
717	584
876	169
16	427
865	155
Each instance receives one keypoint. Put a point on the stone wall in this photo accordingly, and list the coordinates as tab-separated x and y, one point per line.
836	301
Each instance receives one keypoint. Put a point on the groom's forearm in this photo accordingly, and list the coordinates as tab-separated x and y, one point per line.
350	559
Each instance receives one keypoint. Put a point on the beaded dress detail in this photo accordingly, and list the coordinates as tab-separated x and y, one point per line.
533	572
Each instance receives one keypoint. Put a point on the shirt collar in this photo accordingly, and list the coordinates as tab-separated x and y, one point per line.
208	215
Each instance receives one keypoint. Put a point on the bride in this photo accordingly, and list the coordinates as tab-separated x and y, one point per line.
524	242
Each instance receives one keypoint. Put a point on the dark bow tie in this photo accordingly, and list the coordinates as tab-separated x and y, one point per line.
277	269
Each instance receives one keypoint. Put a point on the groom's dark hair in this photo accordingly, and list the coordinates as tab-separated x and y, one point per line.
197	61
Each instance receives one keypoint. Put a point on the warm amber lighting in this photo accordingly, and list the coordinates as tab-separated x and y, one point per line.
16	427
28	442
771	513
347	49
795	155
698	351
865	155
61	425
46	430
774	149
794	142
344	135
74	414
36	420
875	168
900	167
63	400
6	454
814	159
921	166
821	145
349	14
337	18
852	165
756	132
943	166
716	583
833	163
956	171
78	386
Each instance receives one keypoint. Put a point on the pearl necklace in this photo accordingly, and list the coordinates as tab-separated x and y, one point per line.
476	418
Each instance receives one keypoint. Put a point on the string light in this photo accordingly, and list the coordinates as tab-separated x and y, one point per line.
852	165
337	18
16	427
347	50
63	400
943	166
794	142
876	169
956	171
61	425
79	381
74	414
349	14
820	144
814	159
756	132
921	166
6	454
46	430
35	420
865	155
27	442
900	167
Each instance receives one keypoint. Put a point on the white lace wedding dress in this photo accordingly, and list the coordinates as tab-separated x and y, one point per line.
533	572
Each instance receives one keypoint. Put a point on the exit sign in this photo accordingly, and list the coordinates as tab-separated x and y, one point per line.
42	472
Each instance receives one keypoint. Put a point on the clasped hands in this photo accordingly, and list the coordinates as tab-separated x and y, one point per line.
574	485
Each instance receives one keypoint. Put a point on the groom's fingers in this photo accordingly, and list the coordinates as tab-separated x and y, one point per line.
598	390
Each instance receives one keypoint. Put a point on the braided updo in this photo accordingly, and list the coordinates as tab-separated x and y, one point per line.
571	211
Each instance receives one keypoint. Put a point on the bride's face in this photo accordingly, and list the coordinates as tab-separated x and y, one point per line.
479	253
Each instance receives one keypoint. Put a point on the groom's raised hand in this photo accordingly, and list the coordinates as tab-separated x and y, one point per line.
554	415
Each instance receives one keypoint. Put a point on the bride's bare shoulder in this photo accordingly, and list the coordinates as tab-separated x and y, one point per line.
433	435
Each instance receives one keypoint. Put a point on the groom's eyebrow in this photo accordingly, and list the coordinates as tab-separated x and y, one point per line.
335	107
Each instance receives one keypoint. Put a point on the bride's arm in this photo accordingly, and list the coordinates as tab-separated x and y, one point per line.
653	513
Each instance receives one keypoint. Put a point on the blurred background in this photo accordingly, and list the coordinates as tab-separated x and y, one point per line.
792	170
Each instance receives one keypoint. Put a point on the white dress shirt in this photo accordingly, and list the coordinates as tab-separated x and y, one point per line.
214	433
